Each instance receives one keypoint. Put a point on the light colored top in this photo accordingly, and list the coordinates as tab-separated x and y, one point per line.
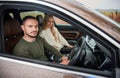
48	36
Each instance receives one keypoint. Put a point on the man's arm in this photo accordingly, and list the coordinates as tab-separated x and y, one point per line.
63	59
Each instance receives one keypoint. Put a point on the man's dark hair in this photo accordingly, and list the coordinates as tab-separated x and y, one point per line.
28	17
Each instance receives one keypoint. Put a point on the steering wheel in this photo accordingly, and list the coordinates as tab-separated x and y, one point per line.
76	51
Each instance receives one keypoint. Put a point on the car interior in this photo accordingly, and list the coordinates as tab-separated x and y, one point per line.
13	33
87	53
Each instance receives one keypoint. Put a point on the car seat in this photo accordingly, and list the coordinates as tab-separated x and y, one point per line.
40	19
12	34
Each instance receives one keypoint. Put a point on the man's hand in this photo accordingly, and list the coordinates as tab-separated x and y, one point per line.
65	60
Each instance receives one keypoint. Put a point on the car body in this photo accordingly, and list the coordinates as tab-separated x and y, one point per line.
79	20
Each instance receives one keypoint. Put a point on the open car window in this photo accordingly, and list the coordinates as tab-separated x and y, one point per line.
88	53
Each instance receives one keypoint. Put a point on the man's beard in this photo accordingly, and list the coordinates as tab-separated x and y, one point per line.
31	35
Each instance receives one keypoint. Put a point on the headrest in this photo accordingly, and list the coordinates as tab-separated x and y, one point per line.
40	19
12	27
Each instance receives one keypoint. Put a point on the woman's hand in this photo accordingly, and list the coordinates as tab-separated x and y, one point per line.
71	46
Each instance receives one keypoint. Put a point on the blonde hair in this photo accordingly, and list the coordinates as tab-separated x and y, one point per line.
52	28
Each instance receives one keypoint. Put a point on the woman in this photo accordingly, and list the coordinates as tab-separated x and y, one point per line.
51	34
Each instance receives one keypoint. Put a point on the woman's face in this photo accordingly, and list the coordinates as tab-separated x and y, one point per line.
50	22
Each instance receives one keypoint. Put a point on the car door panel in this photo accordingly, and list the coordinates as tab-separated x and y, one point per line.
27	69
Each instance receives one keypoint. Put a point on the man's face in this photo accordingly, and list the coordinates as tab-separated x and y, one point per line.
30	28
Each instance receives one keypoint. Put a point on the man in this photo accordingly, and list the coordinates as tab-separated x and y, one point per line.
31	45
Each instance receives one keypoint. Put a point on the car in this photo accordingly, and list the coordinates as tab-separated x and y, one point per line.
95	37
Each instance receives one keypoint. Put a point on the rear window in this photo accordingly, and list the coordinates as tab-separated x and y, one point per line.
31	13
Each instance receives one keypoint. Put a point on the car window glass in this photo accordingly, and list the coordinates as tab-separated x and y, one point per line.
60	22
32	13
